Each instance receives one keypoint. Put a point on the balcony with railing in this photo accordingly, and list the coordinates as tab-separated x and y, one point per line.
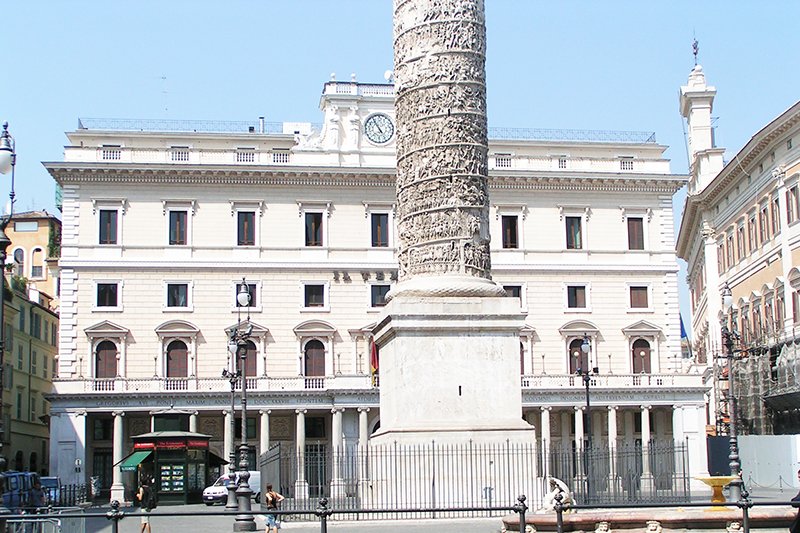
205	385
549	382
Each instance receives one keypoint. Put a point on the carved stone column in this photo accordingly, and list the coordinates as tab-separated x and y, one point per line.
227	435
337	485
442	149
545	433
647	475
265	429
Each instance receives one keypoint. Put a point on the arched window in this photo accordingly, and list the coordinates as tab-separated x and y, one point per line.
105	360
577	358
19	463
641	357
34	463
19	261
250	360
314	358
37	263
177	360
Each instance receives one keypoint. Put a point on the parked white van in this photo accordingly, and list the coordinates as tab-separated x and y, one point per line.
218	492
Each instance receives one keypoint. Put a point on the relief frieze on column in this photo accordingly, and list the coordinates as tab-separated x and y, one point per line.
442	148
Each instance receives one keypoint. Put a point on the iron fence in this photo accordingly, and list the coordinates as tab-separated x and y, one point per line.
473	475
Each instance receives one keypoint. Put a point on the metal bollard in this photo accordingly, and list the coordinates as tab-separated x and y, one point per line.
520	508
745	503
323	513
559	509
115	515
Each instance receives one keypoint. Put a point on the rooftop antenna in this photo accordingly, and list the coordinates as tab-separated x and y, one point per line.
164	94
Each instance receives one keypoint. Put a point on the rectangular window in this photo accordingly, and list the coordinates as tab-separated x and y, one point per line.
107	294
626	163
752	243
792	205
510	231
178	295
280	156
108	226
513	291
774	213
111	152
179	154
246	228
378	295
20	360
574	237
635	233
54	334
639	298
729	250
314	296
177	227
33	409
763	224
19	405
562	162
740	249
251	290
380	230
34	362
576	296
245	155
313	229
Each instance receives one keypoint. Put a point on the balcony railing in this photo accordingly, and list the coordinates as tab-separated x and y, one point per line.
612	381
358	382
193	384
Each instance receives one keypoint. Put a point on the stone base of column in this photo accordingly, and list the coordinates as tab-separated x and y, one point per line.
301	489
338	488
118	492
648	483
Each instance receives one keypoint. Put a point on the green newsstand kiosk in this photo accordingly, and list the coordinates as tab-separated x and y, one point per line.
179	463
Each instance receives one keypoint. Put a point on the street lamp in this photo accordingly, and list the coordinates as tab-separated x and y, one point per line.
586	373
737	485
8	160
239	336
233	376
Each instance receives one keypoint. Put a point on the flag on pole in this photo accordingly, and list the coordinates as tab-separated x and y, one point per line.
373	357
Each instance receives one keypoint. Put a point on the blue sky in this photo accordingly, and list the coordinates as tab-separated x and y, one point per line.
603	65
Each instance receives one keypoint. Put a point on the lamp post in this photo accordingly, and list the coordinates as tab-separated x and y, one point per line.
586	373
8	160
737	485
244	521
233	376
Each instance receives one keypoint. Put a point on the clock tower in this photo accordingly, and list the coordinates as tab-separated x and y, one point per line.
358	127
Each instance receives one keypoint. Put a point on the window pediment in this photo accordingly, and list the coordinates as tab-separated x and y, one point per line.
177	328
258	330
578	327
311	328
642	327
106	329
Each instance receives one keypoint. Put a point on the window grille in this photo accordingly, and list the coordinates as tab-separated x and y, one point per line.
111	153
626	163
281	156
502	160
179	154
245	156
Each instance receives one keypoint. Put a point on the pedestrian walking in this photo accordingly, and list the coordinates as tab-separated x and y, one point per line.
272	499
147	499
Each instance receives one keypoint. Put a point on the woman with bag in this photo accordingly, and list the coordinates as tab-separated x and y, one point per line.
272	499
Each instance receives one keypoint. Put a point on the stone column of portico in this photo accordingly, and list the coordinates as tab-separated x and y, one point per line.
678	439
580	447
337	441
612	449
227	435
301	485
193	422
647	475
264	436
362	465
117	488
545	432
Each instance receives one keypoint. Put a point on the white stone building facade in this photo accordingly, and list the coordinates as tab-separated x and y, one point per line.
160	227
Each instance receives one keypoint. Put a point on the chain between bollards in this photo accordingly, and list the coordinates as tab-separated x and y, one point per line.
520	508
115	515
323	513
559	509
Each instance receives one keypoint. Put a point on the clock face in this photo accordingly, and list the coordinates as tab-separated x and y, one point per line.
379	128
